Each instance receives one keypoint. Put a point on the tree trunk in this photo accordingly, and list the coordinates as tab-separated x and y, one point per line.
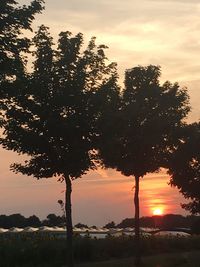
137	223
68	210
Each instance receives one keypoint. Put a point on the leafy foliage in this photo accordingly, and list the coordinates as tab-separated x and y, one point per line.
110	225
145	127
54	220
184	166
13	21
81	225
18	220
50	118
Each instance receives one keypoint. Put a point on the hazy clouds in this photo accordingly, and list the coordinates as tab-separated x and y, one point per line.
137	32
164	33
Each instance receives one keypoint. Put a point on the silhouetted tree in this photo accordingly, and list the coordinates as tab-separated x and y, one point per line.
172	221
148	221
184	166
167	221
3	221
110	225
18	220
81	225
127	222
13	20
162	221
33	221
138	137
13	220
51	118
54	220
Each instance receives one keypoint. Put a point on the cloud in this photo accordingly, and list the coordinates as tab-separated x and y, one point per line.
146	32
178	1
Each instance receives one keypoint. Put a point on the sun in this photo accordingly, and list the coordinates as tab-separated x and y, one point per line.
158	211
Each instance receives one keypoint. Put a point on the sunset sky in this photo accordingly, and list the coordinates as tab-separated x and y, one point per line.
164	33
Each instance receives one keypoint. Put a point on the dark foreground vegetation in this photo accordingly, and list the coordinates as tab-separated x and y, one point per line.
188	259
43	250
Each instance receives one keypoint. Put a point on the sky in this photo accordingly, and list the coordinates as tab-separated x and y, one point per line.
164	33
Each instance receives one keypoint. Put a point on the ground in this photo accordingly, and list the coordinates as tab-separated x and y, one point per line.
186	259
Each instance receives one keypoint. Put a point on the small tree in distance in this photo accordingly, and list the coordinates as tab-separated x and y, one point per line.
81	225
139	135
110	225
51	118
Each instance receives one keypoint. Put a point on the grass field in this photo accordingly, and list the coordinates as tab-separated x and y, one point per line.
45	251
186	259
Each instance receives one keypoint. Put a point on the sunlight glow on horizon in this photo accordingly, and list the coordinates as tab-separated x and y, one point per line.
158	211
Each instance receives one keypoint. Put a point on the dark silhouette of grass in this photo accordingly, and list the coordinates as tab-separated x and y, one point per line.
186	259
37	250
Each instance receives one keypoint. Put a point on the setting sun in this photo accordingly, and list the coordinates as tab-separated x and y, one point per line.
157	211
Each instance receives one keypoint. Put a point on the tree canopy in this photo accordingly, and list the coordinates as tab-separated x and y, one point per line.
50	118
14	19
149	116
18	220
184	167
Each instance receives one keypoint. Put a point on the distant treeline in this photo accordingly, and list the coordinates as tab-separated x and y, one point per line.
165	221
18	220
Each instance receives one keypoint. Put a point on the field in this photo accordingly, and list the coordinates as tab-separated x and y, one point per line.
186	259
46	251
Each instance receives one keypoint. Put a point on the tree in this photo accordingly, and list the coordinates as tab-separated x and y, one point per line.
51	117
110	225
139	135
54	220
16	220
33	221
127	222
81	225
13	20
184	166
